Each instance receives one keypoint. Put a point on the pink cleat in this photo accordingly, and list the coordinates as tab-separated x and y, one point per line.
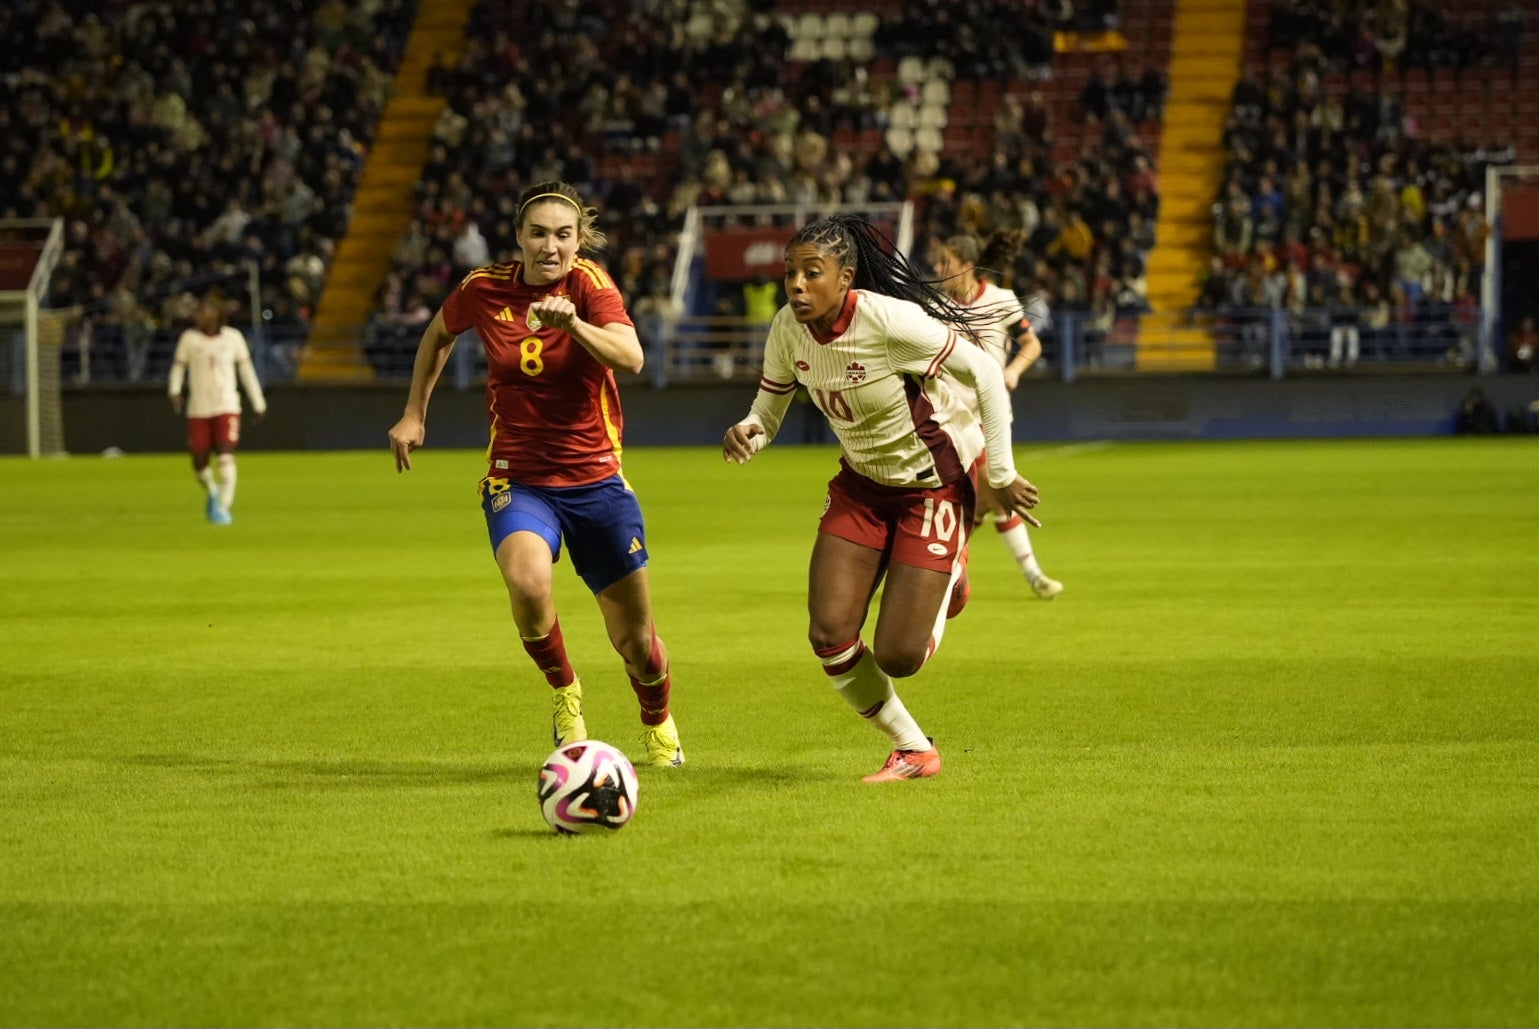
908	764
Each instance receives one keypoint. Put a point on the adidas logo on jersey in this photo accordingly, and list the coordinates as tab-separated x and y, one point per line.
506	315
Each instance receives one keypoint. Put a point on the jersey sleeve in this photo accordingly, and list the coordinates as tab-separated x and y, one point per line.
248	376
598	300
178	367
1011	314
975	369
459	306
777	383
916	343
1037	315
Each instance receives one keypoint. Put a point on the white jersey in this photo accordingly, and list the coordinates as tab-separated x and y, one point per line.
876	376
996	335
210	365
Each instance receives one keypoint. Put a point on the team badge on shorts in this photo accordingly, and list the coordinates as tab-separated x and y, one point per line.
501	501
855	372
828	502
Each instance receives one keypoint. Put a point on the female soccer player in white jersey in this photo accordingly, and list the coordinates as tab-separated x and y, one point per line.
209	357
959	262
869	339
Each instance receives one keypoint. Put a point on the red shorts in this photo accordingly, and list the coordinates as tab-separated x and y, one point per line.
221	432
924	528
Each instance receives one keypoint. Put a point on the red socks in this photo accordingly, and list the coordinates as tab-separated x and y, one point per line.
549	654
653	694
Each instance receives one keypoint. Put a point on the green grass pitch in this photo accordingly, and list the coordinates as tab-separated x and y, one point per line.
1272	759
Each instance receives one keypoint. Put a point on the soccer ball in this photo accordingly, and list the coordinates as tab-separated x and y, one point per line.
587	787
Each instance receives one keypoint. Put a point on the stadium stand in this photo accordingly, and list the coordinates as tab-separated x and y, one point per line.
968	111
1349	216
182	142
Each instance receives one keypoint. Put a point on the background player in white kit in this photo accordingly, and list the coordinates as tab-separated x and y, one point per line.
869	338
209	357
960	263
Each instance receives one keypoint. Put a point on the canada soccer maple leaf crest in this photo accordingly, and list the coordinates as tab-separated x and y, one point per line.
855	372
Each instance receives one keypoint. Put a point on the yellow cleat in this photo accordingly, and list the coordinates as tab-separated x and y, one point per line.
566	723
662	744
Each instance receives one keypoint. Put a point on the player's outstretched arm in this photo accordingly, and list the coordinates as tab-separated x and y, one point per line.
979	371
1029	349
433	352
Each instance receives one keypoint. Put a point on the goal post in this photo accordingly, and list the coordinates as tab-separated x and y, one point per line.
29	249
1501	182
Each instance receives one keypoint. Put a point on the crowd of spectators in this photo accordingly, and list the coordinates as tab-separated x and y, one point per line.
1396	34
1003	39
1334	209
701	91
182	142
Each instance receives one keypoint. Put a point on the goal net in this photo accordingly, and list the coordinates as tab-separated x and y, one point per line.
30	338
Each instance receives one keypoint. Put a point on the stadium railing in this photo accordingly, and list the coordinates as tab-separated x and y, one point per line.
1240	341
715	349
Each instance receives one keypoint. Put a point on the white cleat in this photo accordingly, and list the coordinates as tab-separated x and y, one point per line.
1046	588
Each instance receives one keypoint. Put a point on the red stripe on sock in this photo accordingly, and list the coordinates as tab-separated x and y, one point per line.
837	648
1008	523
843	666
549	655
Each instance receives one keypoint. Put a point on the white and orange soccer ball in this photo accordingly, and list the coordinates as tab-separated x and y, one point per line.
587	787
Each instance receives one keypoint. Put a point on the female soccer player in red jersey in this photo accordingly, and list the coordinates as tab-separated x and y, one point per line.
555	329
960	262
869	338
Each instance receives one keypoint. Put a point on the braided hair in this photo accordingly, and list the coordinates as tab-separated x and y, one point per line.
853	242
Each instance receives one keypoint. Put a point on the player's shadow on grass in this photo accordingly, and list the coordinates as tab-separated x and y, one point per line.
343	773
542	833
376	773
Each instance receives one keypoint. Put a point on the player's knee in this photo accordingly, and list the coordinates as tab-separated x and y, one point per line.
823	635
900	661
529	587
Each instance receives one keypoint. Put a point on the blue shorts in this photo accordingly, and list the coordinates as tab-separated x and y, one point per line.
601	524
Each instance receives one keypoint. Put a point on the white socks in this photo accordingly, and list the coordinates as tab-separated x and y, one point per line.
868	690
206	477
226	480
1019	542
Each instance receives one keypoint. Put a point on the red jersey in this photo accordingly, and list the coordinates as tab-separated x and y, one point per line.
555	410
